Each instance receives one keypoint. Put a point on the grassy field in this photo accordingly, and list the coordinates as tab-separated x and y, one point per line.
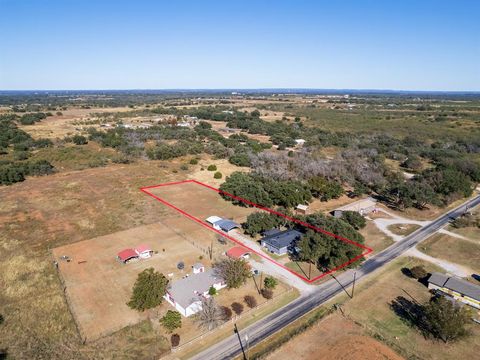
374	238
403	229
462	252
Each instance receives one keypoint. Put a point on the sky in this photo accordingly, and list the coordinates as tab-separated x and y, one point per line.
179	44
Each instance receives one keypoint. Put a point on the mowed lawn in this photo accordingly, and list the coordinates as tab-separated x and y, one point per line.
371	308
459	251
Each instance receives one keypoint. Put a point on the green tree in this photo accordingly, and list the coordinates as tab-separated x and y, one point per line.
171	320
235	272
354	219
323	189
446	320
259	222
218	175
212	167
270	282
212	291
148	291
79	139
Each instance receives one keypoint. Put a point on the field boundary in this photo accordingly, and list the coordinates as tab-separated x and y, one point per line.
340	238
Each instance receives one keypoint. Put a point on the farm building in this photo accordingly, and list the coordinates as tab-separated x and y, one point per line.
238	252
127	255
222	224
279	242
301	209
363	207
186	294
143	251
456	288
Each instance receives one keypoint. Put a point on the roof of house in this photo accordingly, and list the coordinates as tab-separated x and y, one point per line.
456	284
283	238
358	205
188	290
271	232
213	219
237	252
227	225
143	248
126	254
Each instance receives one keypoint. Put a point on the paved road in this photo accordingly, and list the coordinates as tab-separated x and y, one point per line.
230	347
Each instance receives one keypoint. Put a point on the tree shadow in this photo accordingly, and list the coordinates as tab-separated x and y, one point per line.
412	313
407	272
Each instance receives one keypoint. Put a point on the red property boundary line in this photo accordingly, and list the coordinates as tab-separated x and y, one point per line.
163	201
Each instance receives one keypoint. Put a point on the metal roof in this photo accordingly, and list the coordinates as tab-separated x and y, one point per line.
237	252
283	238
456	284
126	254
227	225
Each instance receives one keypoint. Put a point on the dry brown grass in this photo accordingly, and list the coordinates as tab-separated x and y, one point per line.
403	229
374	238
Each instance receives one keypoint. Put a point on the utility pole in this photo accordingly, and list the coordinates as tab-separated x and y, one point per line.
353	286
248	347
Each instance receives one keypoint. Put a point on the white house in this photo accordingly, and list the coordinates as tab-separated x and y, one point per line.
186	294
143	251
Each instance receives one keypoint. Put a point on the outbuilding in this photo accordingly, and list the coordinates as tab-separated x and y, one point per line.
143	251
456	288
127	255
363	207
238	252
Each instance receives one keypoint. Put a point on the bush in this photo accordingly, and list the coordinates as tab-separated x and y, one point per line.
79	140
171	320
250	301
184	167
355	219
175	340
212	167
218	175
212	291
237	308
270	282
193	161
418	272
267	293
227	312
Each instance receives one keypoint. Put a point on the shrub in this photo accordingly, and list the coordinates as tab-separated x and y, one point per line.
212	167
418	272
194	162
218	175
175	340
355	219
184	167
270	282
237	308
227	312
212	291
267	293
79	139
171	320
250	301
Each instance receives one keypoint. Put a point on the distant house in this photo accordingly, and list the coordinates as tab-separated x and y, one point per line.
456	288
363	207
143	251
279	242
127	255
238	252
222	224
186	294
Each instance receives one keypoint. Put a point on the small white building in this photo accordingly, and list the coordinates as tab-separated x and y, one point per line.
300	142
186	294
143	251
363	207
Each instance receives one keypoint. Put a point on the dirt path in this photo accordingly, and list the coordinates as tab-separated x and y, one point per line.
450	267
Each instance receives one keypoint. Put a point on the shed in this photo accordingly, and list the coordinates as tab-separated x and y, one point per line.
226	225
213	219
143	251
301	209
363	207
238	252
127	255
